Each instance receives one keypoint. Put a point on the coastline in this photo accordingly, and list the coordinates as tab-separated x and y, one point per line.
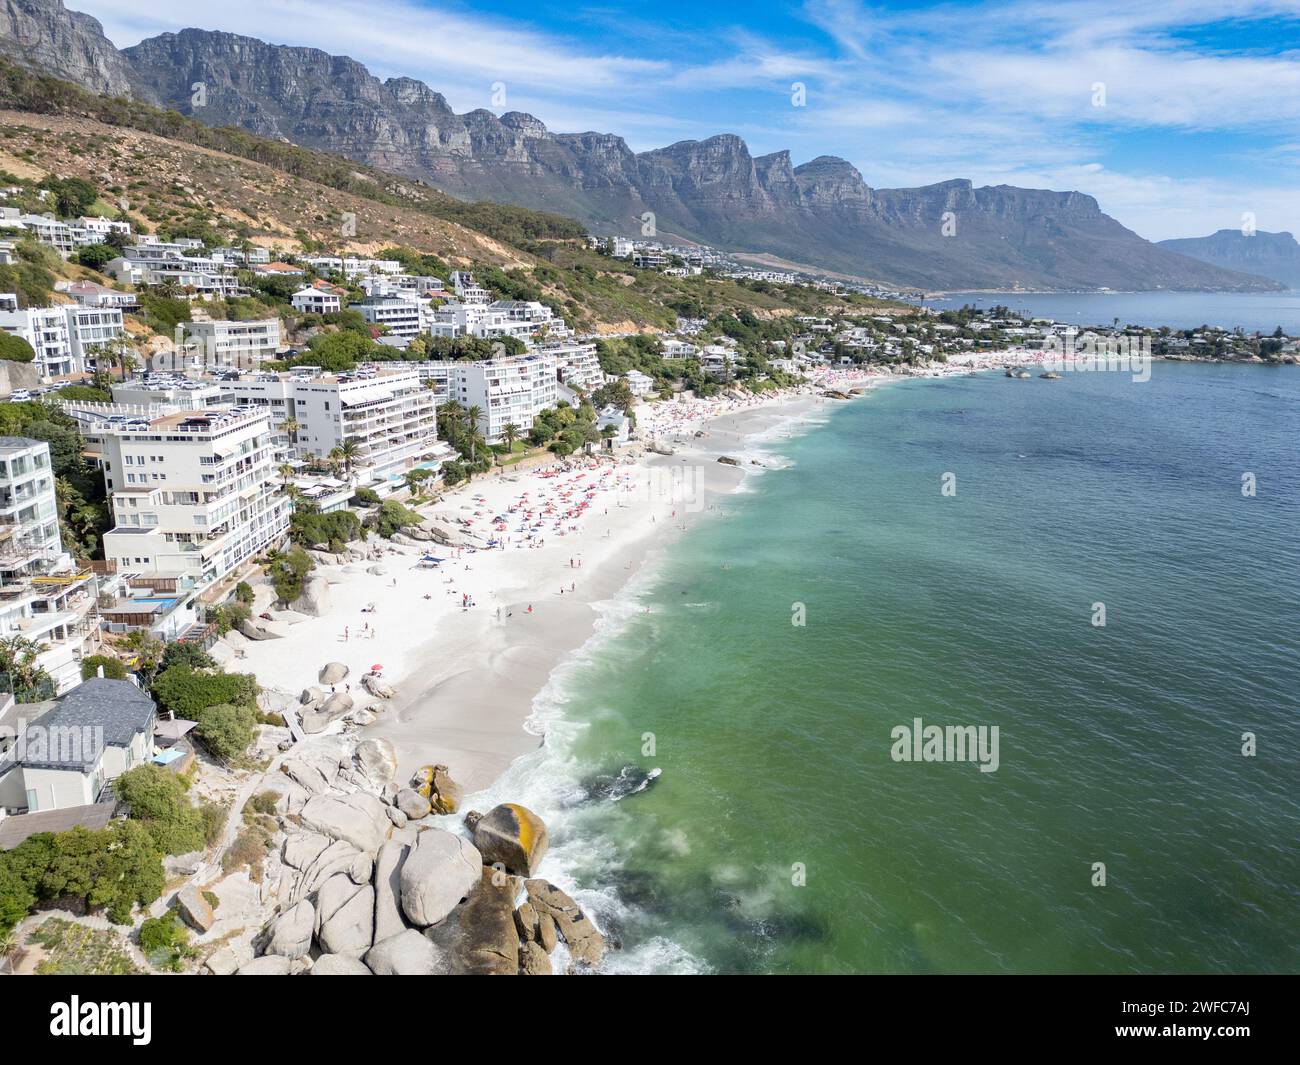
466	678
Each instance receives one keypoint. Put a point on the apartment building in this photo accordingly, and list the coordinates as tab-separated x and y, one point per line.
467	289
351	267
576	363
508	391
194	493
242	344
44	596
158	264
399	317
62	337
387	411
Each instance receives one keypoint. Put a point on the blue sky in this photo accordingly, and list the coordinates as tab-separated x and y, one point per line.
1179	116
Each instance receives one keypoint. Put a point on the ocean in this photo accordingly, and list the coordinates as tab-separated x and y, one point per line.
1254	312
1127	826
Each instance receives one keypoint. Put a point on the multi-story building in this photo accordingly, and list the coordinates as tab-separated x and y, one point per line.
399	316
194	493
387	412
467	289
158	264
509	391
44	596
63	336
576	363
241	344
313	300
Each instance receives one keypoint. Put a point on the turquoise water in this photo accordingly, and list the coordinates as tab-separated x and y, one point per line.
1252	311
1119	744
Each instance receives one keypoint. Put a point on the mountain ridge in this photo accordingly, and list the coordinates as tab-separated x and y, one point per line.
949	235
1273	255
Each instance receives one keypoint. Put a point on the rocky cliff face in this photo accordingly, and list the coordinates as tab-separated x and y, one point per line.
713	190
70	45
1275	255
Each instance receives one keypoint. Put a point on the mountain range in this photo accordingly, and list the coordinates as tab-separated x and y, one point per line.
1275	255
949	235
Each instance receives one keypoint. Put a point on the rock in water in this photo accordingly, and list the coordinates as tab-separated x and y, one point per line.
194	908
533	960
586	944
440	870
512	835
480	937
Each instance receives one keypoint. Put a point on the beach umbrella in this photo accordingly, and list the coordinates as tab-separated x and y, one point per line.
376	667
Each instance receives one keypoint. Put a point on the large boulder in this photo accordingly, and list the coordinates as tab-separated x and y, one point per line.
513	836
388	890
345	917
333	672
257	628
480	937
377	761
194	908
412	803
289	935
358	818
267	965
303	848
314	599
406	954
339	965
440	870
533	960
377	687
445	793
586	944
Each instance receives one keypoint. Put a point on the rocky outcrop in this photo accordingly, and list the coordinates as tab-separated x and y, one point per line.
412	804
480	937
314	599
339	965
47	36
438	873
345	916
289	935
359	819
194	909
333	673
513	836
586	944
406	954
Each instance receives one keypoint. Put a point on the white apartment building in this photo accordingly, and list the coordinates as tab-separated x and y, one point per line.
508	391
194	493
400	317
387	410
576	363
43	596
622	248
224	343
640	384
90	294
144	264
351	267
311	300
62	336
467	289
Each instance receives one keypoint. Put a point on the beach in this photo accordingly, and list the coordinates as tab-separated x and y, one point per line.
468	642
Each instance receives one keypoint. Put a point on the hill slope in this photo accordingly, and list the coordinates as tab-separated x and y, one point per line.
1275	255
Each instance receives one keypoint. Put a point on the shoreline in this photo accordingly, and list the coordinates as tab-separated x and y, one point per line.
466	679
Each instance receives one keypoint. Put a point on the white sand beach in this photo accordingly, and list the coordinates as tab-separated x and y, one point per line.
468	643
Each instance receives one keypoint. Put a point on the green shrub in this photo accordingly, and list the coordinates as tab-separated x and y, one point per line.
187	693
15	348
226	730
187	655
158	801
244	593
165	941
114	668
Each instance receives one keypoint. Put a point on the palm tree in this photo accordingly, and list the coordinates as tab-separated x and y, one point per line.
286	474
472	415
511	433
8	948
290	425
349	451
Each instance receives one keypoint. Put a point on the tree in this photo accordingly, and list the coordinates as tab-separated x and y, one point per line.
290	426
511	433
158	800
147	651
20	670
187	693
188	656
349	451
97	256
472	417
15	349
117	352
226	730
416	478
112	667
286	474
